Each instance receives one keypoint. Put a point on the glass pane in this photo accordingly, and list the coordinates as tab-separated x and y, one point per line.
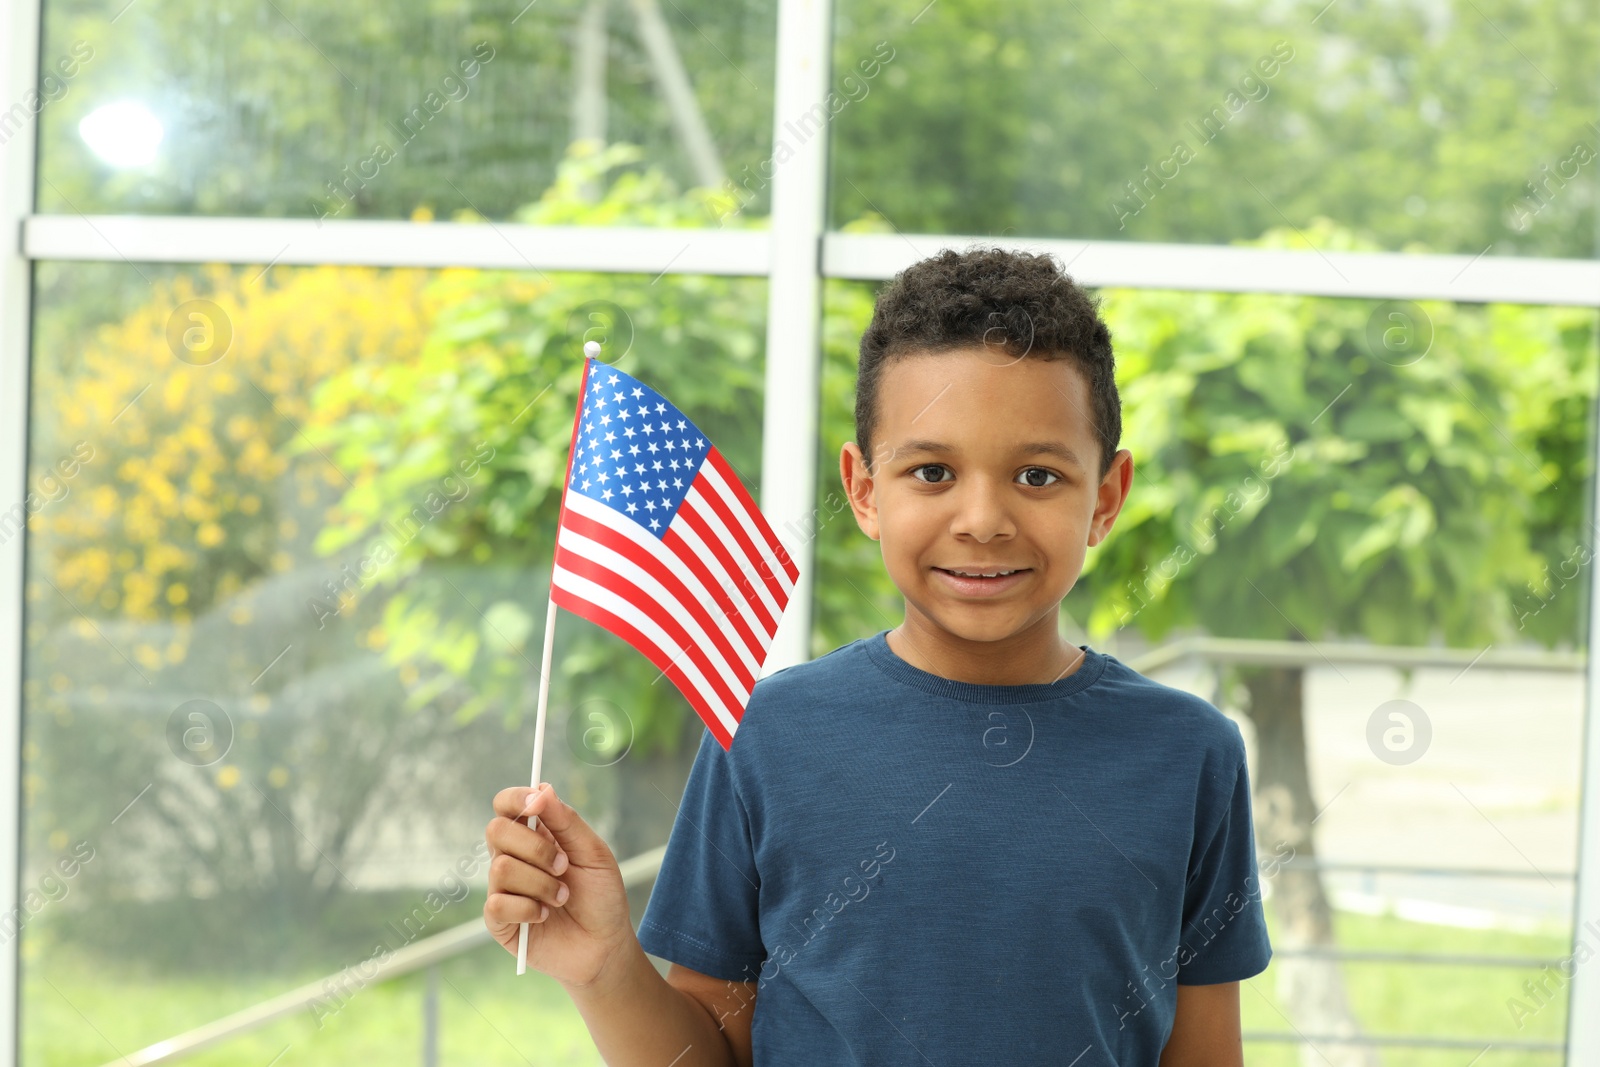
305	110
290	534
1463	126
1301	486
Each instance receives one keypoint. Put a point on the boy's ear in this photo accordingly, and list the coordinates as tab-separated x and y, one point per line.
858	488
1113	493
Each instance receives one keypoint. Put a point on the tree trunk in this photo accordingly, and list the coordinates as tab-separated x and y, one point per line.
589	89
673	81
1311	990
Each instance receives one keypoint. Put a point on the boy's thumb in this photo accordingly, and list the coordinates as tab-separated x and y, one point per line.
571	832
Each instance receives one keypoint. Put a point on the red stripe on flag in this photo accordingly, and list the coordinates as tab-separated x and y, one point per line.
588	609
759	520
720	504
697	522
629	550
661	614
684	551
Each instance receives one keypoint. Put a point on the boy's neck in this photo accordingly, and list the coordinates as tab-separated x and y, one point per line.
1035	656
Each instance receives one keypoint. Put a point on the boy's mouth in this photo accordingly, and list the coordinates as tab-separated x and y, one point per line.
982	581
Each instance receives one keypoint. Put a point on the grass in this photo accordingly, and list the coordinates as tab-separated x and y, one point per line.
1436	1000
81	1010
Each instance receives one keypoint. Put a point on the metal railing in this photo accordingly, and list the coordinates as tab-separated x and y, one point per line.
641	870
429	952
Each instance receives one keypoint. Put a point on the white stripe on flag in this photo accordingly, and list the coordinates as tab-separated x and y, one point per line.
582	587
691	537
758	539
754	580
684	614
625	527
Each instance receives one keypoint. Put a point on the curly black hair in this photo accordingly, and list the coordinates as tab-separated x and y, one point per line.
1019	303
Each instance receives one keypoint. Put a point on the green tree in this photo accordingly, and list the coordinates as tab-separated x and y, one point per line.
1402	122
466	598
268	109
1312	469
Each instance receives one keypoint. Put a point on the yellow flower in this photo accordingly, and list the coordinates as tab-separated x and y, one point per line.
278	776
209	535
227	776
58	840
177	593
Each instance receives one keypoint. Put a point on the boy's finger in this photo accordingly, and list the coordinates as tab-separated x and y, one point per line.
510	838
512	802
566	827
503	909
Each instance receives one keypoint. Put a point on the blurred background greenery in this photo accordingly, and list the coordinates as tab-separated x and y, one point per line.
204	552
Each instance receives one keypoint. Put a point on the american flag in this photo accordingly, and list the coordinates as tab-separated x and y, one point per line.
659	543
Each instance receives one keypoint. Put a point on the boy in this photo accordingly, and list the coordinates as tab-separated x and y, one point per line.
962	840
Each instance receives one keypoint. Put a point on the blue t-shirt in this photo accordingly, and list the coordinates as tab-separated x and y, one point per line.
916	869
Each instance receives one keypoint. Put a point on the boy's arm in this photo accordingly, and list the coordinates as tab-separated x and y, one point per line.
635	1016
1205	1030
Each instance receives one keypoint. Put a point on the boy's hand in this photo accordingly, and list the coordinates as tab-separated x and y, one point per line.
571	938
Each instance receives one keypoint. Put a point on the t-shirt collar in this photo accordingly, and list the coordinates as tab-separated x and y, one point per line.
1087	674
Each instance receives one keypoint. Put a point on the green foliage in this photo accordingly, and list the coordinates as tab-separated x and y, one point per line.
852	593
1293	480
1405	122
498	377
278	109
1297	478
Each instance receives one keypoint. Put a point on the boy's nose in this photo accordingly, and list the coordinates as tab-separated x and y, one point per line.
982	513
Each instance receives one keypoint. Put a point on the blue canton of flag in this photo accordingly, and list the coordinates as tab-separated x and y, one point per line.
637	453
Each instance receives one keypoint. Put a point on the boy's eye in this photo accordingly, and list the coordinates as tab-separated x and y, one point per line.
1030	475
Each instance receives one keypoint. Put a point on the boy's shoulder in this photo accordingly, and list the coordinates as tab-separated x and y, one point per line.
1169	711
815	680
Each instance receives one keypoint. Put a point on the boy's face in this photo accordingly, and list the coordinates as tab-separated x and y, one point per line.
959	482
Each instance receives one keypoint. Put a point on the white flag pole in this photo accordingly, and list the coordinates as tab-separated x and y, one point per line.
538	749
591	350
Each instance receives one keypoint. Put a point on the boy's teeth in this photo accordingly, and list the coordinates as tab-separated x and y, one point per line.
996	574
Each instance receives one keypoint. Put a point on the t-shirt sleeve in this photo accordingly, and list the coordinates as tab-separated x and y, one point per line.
1224	925
703	910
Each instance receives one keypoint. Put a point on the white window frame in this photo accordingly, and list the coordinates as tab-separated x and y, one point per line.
794	254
